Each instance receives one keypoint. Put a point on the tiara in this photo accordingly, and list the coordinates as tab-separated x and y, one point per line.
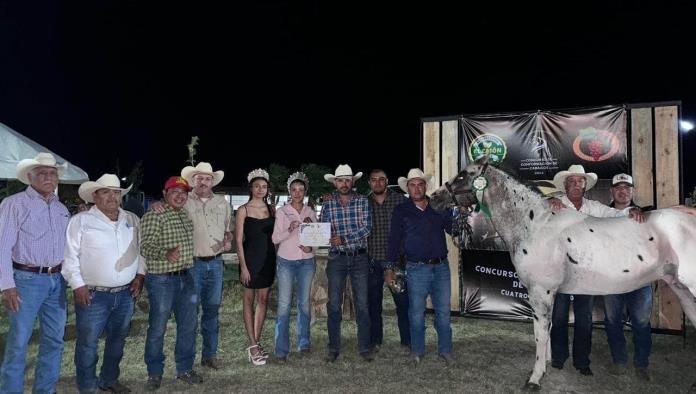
298	176
257	173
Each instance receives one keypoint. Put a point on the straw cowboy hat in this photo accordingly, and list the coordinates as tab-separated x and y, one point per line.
43	159
343	171
414	173
574	170
202	168
106	181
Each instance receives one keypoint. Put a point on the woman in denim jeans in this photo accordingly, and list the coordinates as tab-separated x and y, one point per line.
295	263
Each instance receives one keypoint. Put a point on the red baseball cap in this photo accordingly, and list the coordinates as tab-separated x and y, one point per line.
177	181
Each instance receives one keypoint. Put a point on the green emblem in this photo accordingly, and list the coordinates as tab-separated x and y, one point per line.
488	144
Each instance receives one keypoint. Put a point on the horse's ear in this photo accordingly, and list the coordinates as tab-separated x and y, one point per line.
483	160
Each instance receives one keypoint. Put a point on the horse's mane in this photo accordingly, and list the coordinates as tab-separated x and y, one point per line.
533	186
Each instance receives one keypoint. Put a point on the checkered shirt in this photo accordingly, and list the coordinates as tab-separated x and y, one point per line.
164	231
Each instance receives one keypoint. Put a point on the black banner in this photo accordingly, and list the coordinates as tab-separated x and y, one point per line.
533	147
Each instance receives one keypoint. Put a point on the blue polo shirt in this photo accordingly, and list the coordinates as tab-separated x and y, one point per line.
419	233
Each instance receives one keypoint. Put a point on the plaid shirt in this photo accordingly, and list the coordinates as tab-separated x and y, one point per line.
381	223
163	231
352	223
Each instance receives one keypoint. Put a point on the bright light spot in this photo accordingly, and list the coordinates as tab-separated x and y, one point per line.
685	125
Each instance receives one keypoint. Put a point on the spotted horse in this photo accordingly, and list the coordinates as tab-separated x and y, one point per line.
570	252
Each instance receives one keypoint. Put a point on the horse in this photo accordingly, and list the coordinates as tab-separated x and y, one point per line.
570	252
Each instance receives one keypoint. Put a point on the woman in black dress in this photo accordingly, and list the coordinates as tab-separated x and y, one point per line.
257	259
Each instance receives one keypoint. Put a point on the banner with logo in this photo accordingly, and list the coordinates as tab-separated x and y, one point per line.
533	147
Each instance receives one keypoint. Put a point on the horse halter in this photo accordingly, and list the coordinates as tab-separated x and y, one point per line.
453	193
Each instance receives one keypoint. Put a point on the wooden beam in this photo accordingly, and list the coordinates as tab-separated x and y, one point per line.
450	168
431	151
642	156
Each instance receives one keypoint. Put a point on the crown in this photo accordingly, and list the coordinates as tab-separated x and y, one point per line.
298	176
257	173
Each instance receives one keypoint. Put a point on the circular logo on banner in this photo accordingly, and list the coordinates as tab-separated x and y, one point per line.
488	144
595	145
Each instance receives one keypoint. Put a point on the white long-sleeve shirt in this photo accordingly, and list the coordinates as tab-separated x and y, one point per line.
595	208
101	252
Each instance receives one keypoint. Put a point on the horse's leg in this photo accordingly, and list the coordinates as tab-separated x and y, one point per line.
686	299
542	305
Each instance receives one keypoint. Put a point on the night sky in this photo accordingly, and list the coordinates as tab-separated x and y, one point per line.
112	82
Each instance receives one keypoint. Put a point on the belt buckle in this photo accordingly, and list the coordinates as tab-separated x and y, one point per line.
45	270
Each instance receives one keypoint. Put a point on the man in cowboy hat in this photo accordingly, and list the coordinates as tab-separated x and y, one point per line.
167	244
105	270
32	240
351	223
212	235
417	231
638	302
575	182
382	203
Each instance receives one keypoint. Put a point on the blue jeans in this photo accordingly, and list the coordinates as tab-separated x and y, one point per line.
207	278
110	312
337	269
582	339
639	303
287	272
433	279
375	295
167	294
43	295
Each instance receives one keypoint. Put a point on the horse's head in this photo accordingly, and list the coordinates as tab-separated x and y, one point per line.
458	191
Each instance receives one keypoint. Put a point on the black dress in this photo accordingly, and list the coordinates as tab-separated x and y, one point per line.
259	252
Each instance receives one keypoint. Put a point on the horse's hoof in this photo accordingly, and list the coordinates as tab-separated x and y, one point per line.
529	386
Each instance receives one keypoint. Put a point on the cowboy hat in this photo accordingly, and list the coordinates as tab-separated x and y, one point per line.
574	170
343	171
106	181
43	159
414	173
202	168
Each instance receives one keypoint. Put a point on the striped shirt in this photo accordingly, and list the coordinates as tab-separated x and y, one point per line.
381	222
32	232
352	223
164	231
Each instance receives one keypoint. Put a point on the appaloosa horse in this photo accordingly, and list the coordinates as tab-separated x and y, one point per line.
573	253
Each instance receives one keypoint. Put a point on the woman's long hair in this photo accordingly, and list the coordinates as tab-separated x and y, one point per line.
266	198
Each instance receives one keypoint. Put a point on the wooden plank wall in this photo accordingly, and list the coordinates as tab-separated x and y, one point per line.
642	156
667	312
450	168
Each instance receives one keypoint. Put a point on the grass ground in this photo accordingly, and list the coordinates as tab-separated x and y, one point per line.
491	357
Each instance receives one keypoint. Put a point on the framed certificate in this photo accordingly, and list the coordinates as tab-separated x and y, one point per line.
315	234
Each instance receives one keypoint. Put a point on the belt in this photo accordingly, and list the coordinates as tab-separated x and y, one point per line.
177	273
36	269
208	258
433	261
352	252
108	289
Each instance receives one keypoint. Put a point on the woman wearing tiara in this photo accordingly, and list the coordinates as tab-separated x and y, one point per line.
295	263
257	259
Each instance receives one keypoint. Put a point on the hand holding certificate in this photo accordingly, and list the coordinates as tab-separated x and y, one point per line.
315	234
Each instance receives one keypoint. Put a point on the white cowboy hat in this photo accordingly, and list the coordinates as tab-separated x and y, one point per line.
574	170
414	173
106	181
43	159
343	171
202	168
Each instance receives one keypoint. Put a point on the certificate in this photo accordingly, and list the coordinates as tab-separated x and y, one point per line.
315	234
